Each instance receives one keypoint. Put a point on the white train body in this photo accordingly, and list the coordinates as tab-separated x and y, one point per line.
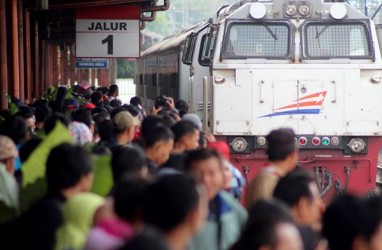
312	66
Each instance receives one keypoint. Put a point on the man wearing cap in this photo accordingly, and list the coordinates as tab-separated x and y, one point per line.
282	156
124	125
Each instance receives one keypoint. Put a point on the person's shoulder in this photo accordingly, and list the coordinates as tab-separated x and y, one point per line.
148	239
234	204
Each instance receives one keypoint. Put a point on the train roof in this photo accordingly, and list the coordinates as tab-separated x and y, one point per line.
174	41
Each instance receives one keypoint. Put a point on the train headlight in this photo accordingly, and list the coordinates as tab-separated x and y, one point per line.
239	144
261	141
338	10
357	145
257	10
291	9
335	141
304	10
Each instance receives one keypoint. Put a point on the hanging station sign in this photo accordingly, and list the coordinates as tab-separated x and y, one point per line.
108	31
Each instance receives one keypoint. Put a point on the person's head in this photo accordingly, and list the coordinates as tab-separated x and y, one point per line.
115	103
299	191
84	116
175	201
194	118
50	123
186	136
183	107
68	170
373	234
270	227
106	130
15	128
8	153
28	147
29	117
149	123
113	90
127	160
42	113
128	197
159	143
124	125
282	148
207	165
136	101
345	223
96	98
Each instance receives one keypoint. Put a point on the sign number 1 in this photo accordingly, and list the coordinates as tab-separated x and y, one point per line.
109	40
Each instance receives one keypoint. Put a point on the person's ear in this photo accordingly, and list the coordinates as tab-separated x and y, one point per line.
359	243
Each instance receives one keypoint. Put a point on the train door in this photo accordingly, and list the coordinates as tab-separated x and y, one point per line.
193	55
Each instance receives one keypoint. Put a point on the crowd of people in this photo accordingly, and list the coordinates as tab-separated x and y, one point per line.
171	185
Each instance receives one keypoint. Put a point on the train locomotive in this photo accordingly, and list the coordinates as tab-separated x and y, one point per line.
256	66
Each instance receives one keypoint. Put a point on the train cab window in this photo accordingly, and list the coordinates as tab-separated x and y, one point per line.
269	40
208	46
328	39
204	60
188	50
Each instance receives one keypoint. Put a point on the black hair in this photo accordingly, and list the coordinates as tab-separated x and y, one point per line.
106	130
104	90
127	159
25	112
5	113
128	197
59	102
40	103
115	111
169	200
15	128
293	187
113	89
115	103
28	147
42	113
374	216
201	155
281	143
149	123
343	221
98	118
65	167
136	100
260	230
159	133
182	105
167	118
183	128
96	98
82	115
50	123
133	110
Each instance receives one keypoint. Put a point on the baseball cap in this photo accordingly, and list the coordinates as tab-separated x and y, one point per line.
194	118
7	148
124	120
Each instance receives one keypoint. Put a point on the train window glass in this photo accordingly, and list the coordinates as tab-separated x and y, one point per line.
141	79
204	61
269	40
209	45
188	50
154	79
326	40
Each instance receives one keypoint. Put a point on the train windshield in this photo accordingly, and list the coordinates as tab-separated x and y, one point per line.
269	40
326	40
